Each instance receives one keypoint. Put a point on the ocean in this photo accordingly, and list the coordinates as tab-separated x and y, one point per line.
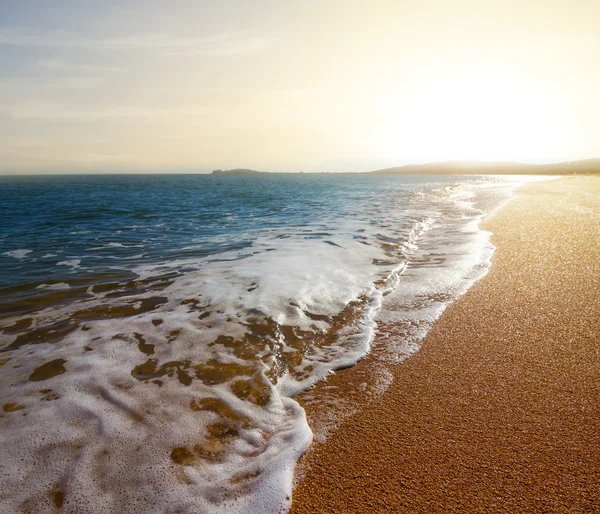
155	329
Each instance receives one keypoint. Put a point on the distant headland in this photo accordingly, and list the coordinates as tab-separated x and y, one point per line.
590	166
237	171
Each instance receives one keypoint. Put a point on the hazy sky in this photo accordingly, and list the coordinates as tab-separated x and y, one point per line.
295	85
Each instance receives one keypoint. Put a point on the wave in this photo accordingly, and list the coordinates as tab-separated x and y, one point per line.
169	386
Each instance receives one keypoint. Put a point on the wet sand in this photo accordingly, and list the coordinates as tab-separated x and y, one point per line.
500	409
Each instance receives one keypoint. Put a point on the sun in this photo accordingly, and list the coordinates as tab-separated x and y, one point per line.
498	115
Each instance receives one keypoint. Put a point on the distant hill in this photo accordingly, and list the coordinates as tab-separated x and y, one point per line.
589	166
496	168
238	171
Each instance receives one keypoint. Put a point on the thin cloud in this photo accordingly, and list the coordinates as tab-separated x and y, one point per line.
162	44
62	66
231	46
18	86
40	111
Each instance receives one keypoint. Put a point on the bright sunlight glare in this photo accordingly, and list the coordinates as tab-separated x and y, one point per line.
485	115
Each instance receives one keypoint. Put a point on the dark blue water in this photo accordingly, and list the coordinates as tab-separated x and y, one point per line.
110	220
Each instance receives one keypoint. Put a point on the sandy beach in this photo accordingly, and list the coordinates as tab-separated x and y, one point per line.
500	409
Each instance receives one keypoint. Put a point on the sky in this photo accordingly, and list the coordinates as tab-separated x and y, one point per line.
333	86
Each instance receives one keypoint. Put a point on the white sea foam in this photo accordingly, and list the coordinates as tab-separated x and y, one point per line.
73	263
59	286
115	245
17	254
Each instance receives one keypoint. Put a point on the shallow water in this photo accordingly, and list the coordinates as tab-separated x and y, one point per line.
155	328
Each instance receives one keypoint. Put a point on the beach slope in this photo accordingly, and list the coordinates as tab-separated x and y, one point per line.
500	409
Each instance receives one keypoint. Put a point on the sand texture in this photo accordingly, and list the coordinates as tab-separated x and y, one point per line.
500	409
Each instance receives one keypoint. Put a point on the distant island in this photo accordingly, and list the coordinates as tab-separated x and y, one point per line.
495	168
237	171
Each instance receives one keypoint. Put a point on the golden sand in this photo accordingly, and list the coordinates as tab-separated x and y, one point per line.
500	409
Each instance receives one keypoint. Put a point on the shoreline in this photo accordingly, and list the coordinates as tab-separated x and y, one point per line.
499	408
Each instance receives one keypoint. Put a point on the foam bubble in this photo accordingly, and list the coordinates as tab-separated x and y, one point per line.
73	263
17	254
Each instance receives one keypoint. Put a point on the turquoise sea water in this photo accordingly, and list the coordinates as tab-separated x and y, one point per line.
155	328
